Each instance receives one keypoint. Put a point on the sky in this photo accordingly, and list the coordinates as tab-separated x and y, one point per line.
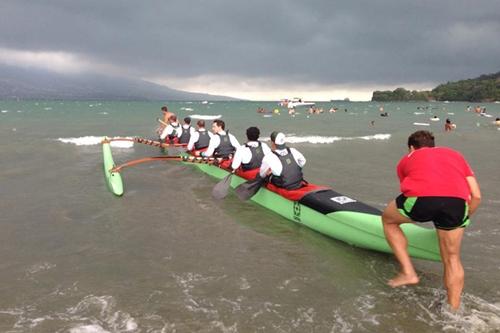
259	49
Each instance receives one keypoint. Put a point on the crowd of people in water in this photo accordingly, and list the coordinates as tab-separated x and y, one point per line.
425	192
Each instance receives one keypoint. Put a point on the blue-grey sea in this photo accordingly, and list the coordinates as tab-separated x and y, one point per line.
167	257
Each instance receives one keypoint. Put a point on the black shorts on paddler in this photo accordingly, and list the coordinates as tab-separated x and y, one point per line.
447	213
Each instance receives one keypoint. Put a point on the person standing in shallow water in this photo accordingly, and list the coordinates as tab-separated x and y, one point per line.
447	194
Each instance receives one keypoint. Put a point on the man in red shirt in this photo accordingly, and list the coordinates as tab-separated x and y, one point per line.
438	185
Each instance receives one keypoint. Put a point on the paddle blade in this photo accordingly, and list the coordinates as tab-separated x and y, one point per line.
249	188
221	189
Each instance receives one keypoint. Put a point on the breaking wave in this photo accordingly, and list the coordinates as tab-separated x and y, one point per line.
316	139
95	140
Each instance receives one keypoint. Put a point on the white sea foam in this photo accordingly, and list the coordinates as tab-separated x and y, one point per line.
4	111
421	124
95	140
88	329
187	109
205	116
316	139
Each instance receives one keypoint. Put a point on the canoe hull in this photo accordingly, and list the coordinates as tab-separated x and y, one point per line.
359	228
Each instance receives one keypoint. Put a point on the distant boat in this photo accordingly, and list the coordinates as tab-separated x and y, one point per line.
295	102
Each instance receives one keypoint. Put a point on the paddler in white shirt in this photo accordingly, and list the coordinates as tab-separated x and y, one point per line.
249	156
284	164
199	139
222	144
187	131
172	131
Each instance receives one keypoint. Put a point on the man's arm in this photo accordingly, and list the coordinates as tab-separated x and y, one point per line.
237	158
166	131
475	194
214	143
192	140
234	141
299	158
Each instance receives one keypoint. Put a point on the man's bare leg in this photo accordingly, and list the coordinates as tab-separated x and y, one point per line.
392	220
449	244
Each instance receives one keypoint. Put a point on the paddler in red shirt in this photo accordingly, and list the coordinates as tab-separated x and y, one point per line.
438	185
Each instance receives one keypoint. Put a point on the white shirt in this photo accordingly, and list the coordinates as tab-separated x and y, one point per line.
215	142
191	128
271	161
195	136
244	154
169	129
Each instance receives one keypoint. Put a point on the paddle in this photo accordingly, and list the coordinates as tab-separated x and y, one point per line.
221	189
249	188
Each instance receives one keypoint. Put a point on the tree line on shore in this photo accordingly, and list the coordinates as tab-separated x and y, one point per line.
485	88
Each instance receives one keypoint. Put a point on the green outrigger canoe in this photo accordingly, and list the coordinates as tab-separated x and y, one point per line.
324	210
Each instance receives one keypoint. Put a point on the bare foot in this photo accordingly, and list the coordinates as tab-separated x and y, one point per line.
403	280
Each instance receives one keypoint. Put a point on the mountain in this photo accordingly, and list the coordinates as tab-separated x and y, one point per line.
485	88
20	83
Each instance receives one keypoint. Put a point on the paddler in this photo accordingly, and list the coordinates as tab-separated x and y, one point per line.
284	164
172	131
164	120
438	185
199	139
249	156
187	130
222	144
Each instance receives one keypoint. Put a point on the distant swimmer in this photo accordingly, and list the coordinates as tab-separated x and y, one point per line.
448	125
497	121
385	114
435	118
437	185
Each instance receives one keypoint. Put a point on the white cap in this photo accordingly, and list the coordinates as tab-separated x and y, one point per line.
278	138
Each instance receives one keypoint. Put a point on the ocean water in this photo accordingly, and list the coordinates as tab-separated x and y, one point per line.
167	257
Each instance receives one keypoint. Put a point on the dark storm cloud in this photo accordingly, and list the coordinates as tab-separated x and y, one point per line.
324	42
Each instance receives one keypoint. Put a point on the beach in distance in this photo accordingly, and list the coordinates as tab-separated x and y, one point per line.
168	257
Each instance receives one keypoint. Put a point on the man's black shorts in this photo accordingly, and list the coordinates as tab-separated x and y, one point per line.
446	212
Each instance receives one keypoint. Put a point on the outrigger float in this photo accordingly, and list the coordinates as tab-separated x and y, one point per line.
317	207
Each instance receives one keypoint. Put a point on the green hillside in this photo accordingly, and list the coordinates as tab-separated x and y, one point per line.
485	88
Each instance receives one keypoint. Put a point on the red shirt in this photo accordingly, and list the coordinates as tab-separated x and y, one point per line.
438	171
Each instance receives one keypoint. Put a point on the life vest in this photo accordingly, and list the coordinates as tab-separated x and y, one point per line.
173	135
225	147
186	135
291	175
257	156
203	140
